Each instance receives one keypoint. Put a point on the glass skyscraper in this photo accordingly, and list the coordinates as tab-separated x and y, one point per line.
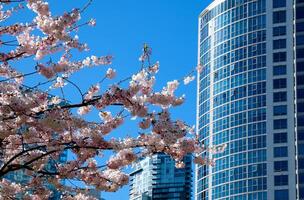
251	97
157	178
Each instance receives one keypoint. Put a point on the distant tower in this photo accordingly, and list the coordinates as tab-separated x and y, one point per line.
156	178
251	97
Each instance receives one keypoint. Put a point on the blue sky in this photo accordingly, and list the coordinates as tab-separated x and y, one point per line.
123	26
168	26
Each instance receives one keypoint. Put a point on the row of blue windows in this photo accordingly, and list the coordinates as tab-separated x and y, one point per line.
221	138
242	158
239	187
241	66
241	132
239	173
204	120
238	106
241	79
204	95
300	94
205	46
222	73
204	132
205	71
204	83
252	196
205	58
247	144
202	185
204	108
239	28
240	92
224	6
240	12
235	68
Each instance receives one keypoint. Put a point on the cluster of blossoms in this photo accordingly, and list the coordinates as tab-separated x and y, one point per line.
36	128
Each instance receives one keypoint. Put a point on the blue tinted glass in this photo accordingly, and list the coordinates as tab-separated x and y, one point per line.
280	137
300	26
279	70
280	166
279	16
281	180
279	44
300	39
301	149
279	31
300	53
300	12
280	96
300	79
281	56
281	194
278	3
280	152
280	110
279	123
279	83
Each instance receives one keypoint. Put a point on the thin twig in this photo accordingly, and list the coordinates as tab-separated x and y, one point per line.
19	76
86	6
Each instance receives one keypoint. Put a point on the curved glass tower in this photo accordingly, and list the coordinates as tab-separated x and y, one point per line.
251	97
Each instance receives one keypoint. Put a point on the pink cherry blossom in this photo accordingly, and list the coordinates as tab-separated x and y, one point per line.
188	79
38	123
111	73
92	22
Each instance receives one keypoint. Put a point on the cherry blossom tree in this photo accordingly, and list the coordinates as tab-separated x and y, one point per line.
36	127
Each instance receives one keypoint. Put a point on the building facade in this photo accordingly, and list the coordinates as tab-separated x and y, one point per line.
251	97
157	178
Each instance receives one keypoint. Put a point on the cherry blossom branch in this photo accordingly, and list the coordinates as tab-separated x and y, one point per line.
19	76
76	86
86	6
11	1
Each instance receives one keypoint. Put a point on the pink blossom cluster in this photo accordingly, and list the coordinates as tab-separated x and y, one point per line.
122	158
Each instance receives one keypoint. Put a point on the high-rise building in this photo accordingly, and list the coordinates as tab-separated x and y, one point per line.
157	178
251	97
